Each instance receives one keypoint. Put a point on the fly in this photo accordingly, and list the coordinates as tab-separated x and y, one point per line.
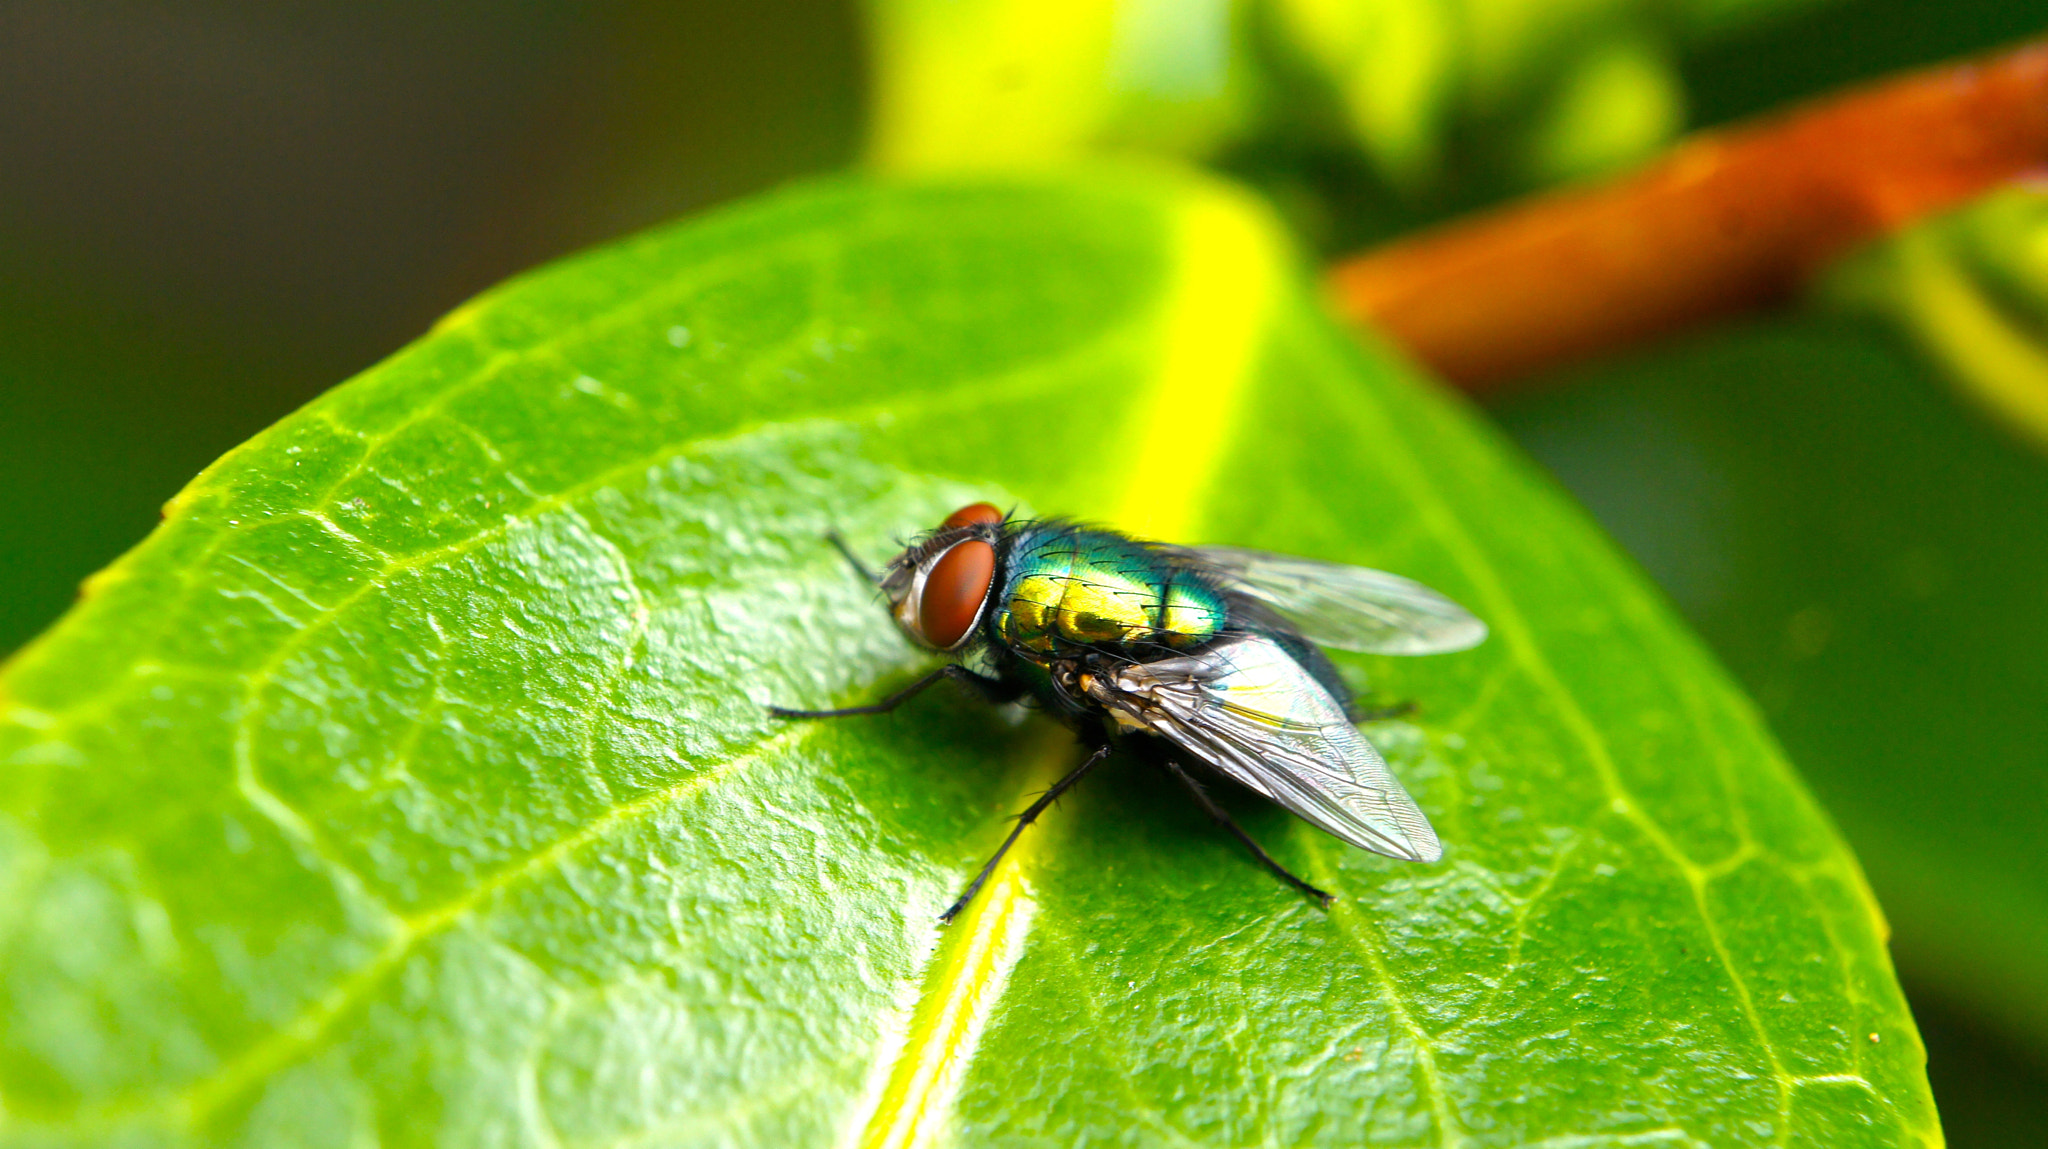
1179	654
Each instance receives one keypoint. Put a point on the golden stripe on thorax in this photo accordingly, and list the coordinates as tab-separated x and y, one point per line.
1096	588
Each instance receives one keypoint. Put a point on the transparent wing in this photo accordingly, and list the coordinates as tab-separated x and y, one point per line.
1249	709
1350	608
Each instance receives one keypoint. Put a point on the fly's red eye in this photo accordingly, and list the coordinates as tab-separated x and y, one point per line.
953	592
970	515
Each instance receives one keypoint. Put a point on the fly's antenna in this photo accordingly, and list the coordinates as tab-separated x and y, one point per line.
838	541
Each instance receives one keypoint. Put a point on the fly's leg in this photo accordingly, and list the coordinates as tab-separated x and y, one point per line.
1224	820
1380	713
1025	819
852	559
883	707
989	688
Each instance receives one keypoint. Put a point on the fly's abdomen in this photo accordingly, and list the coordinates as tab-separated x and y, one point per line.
1091	588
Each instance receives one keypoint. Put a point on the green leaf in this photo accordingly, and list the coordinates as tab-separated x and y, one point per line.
1866	550
1554	94
1970	288
413	781
1000	83
1355	98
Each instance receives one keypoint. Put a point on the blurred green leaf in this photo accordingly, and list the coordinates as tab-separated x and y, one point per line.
1560	91
1868	554
105	414
1970	288
998	83
1851	513
412	783
1429	100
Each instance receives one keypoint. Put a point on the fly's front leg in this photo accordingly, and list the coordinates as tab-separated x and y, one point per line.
989	688
853	560
895	700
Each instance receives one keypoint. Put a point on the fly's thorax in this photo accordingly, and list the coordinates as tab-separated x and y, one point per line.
1193	613
1071	587
1036	571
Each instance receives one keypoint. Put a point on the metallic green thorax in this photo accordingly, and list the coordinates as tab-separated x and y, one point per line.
1065	586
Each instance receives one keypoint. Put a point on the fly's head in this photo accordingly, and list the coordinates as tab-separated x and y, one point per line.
939	587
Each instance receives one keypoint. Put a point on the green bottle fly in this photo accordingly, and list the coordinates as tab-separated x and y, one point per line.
1202	656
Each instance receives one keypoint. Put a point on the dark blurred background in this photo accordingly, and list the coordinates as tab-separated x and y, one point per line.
212	210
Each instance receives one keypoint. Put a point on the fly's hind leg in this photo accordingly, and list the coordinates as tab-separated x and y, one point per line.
1224	820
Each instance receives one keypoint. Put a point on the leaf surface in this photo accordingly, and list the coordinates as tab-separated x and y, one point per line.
1864	538
413	782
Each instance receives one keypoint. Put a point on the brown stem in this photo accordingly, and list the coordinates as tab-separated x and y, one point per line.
1725	222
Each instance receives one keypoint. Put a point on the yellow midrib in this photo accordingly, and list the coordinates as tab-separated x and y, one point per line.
1211	326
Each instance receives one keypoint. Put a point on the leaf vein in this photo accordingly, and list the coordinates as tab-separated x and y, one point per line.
1513	627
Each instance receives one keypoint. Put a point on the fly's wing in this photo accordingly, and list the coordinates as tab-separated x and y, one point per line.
1350	608
1248	708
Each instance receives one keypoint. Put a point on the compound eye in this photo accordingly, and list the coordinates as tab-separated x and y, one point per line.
971	515
953	592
